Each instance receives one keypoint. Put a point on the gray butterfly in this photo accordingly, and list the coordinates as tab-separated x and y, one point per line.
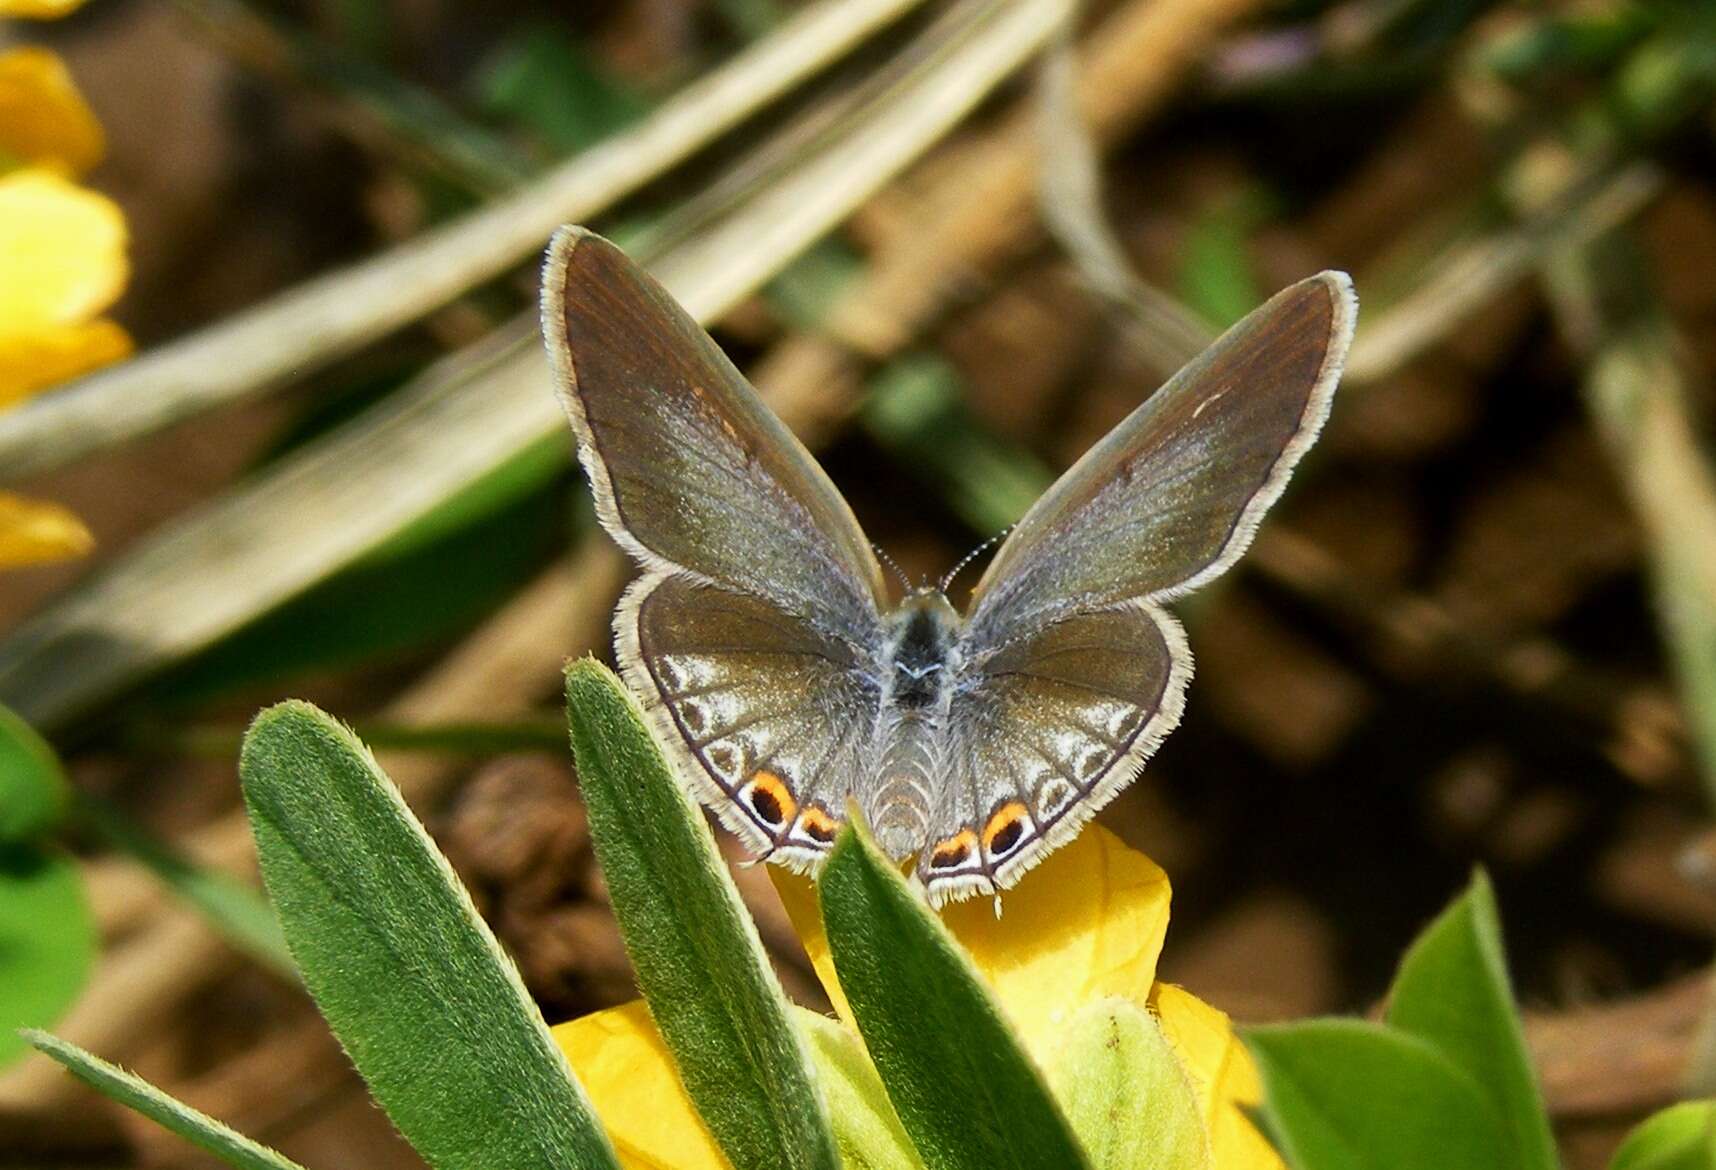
761	636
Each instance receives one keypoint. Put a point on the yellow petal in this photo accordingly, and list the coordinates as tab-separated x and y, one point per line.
1221	1073
624	1067
36	361
798	896
1086	924
33	531
62	252
39	9
43	117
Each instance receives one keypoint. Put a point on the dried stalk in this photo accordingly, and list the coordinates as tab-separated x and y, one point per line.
1163	332
206	574
1636	391
1621	1059
307	327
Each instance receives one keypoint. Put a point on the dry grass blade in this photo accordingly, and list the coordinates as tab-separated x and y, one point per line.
1468	278
210	572
1638	395
324	319
1163	331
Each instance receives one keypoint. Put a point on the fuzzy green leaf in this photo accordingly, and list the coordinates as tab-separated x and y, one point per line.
33	789
47	941
1126	1093
964	1088
135	1093
1453	992
696	953
410	979
1351	1095
1681	1137
865	1126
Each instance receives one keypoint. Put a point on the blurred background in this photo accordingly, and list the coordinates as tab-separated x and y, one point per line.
952	245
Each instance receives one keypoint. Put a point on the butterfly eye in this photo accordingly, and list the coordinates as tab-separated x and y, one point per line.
1005	829
955	851
770	798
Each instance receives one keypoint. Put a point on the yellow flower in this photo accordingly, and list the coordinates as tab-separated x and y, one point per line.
39	9
32	531
44	120
1085	928
62	262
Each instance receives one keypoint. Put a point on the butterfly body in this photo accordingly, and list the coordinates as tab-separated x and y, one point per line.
920	667
787	683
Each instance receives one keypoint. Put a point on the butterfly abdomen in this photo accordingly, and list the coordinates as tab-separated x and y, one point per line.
917	672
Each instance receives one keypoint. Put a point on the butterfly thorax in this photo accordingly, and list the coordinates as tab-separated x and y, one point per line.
918	669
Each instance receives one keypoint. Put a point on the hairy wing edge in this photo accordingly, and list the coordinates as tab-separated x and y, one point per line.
1317	406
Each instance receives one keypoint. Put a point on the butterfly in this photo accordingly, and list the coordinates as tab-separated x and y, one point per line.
760	635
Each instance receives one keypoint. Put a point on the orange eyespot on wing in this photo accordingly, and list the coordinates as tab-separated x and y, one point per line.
1006	828
767	795
816	824
954	852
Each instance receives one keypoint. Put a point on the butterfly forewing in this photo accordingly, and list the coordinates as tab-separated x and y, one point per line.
1171	497
690	469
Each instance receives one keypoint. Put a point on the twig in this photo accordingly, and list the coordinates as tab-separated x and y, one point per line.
307	327
1620	1059
1471	276
1636	392
1164	332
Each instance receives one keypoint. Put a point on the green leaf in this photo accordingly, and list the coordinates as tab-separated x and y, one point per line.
410	979
1681	1137
696	953
47	941
1351	1095
33	789
1217	280
963	1087
1452	992
138	1094
1126	1093
866	1128
234	908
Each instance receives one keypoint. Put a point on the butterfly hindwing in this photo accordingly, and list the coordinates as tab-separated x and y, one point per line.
769	718
1044	731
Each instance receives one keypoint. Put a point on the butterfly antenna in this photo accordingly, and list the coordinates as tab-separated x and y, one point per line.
905	581
954	572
